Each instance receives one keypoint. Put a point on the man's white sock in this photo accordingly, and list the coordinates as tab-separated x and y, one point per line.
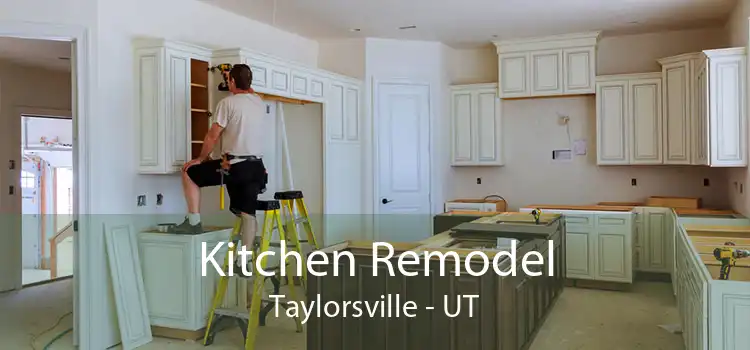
194	218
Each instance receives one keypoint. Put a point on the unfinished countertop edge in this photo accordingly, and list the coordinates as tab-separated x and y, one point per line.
580	207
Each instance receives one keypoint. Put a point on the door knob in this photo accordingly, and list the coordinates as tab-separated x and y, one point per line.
386	201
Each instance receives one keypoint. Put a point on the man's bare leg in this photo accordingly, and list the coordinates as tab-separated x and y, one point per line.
192	224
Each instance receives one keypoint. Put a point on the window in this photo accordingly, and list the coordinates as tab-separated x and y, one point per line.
28	180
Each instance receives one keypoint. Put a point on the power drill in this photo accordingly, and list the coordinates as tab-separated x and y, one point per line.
728	257
224	68
536	213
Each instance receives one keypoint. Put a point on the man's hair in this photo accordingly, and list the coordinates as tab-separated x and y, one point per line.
242	75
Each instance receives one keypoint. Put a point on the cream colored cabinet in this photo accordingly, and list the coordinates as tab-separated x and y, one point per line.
599	245
654	241
178	293
547	66
476	125
705	108
629	119
163	103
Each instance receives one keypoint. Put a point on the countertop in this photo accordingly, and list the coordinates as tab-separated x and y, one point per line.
580	207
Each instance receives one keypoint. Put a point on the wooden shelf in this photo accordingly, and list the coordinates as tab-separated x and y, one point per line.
199	105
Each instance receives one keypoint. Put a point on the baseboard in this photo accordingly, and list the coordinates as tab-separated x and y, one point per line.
173	333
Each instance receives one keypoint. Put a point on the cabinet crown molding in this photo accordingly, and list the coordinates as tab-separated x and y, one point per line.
679	58
157	43
732	51
615	77
224	54
548	42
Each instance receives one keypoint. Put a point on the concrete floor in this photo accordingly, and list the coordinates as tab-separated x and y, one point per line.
581	319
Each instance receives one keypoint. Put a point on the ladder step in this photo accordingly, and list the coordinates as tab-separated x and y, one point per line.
236	313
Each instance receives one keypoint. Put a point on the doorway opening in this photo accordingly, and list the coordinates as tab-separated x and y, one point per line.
46	197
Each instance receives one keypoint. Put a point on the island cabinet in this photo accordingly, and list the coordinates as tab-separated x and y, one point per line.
506	315
179	296
713	312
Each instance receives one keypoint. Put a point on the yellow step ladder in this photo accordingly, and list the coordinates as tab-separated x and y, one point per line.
249	319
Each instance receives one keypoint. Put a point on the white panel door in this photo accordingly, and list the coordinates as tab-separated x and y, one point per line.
727	87
646	122
700	114
612	122
402	122
546	73
514	73
461	127
677	113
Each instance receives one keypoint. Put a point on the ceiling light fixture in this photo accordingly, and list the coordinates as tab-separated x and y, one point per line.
355	30
408	27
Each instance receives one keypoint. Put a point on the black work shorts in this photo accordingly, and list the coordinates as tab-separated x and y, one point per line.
246	180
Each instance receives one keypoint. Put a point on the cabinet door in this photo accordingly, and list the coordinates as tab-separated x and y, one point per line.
646	121
178	108
300	84
727	119
579	70
656	241
612	123
149	73
700	114
546	73
488	143
352	112
578	252
514	75
462	129
613	247
677	139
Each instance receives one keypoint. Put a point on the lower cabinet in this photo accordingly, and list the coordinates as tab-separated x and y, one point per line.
599	245
177	293
654	240
506	315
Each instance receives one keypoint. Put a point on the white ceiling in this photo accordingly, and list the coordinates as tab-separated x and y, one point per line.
36	53
465	23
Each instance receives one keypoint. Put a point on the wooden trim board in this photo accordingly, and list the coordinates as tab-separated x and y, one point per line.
127	280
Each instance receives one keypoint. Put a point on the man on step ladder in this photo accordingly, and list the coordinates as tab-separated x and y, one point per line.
239	127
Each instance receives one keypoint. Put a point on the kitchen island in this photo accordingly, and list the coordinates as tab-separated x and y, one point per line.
507	314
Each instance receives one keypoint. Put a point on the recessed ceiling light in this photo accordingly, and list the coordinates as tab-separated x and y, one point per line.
408	27
355	30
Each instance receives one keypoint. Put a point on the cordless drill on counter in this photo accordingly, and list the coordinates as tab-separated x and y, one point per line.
728	257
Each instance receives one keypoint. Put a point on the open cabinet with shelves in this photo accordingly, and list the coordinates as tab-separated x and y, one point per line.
200	115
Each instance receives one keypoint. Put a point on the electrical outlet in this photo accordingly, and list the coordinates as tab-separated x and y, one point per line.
479	181
142	200
706	182
159	199
633	182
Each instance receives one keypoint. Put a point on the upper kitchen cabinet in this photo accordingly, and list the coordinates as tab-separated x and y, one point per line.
629	119
705	108
171	103
547	66
476	125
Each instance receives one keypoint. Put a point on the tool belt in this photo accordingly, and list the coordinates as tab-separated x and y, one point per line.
251	158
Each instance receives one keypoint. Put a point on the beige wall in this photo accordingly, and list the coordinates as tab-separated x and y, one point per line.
304	129
737	33
531	133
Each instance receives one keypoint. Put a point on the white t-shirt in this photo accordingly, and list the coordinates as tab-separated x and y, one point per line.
241	116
